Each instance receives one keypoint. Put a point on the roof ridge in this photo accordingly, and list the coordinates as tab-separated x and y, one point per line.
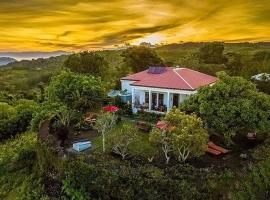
183	79
198	72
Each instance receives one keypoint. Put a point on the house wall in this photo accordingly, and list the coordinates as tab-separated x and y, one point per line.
125	85
139	94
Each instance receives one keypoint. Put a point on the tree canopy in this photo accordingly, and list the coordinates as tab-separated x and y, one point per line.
234	64
231	106
87	62
184	136
212	53
189	136
140	58
77	91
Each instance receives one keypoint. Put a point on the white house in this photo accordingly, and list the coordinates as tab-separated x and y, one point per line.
158	89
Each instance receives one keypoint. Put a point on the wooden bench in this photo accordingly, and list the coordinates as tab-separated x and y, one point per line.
144	126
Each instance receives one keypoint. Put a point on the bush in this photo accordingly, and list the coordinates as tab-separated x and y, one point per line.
255	185
109	180
148	117
18	179
122	140
16	118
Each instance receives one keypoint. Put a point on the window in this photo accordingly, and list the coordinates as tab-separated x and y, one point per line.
154	100
160	99
146	100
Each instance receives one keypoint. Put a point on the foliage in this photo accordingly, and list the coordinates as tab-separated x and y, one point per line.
254	184
234	63
139	147
122	140
189	136
140	58
54	110
164	139
17	162
77	91
147	116
263	86
111	180
23	77
16	118
231	106
7	97
87	62
103	124
212	53
261	60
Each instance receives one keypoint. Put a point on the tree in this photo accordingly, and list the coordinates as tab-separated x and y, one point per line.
231	106
87	62
103	124
212	53
234	63
140	58
77	91
189	138
122	139
164	139
261	60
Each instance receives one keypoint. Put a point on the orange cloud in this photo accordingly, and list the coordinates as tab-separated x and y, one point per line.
89	24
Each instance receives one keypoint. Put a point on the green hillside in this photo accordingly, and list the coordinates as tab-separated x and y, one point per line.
26	75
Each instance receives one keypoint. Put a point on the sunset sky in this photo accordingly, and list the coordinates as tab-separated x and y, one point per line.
73	25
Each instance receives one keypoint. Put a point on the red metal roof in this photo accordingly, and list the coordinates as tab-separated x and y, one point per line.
172	78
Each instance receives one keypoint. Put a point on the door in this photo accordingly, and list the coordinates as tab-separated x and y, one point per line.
175	100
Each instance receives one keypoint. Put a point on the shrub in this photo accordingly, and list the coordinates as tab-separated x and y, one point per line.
111	180
148	117
16	118
121	140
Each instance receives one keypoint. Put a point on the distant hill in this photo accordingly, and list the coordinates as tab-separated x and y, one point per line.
29	55
37	64
6	60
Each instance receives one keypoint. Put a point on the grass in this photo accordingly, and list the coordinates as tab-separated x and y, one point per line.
140	147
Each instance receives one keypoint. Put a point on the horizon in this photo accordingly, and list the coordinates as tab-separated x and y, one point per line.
83	25
30	55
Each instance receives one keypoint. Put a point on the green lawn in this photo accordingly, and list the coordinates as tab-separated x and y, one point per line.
140	147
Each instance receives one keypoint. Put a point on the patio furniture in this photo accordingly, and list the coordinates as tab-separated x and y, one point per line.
162	125
218	148
146	127
90	118
215	149
251	136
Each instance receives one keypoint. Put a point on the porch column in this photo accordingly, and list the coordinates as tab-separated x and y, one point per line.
150	100
168	102
132	97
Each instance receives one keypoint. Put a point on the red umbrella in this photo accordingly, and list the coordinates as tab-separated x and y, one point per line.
110	108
